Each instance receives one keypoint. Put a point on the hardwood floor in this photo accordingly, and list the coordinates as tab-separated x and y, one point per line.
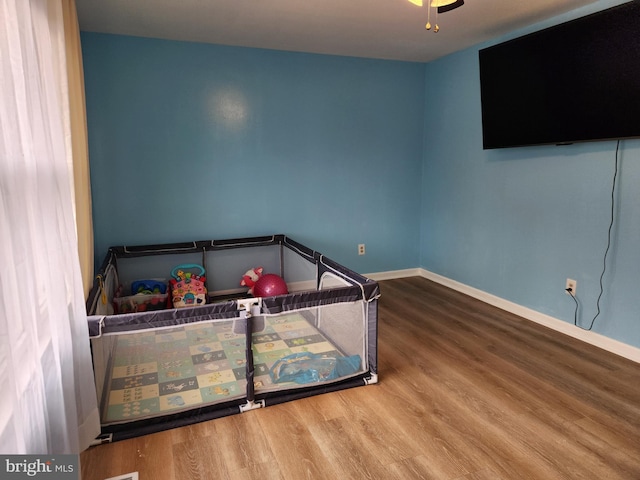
466	391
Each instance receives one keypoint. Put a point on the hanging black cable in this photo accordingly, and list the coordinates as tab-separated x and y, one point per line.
606	252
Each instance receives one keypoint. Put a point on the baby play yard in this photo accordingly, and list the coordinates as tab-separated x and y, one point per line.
162	365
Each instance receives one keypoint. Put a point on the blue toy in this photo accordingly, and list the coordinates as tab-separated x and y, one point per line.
148	287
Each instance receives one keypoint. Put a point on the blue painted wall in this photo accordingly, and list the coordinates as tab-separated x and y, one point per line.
193	141
198	141
518	222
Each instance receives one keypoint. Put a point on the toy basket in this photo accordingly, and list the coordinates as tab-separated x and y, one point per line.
140	303
146	295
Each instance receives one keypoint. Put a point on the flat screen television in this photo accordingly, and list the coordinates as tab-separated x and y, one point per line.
574	82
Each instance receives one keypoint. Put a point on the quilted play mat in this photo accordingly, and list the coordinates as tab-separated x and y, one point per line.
160	371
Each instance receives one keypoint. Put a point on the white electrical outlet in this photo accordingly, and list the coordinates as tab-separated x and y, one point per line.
361	249
571	284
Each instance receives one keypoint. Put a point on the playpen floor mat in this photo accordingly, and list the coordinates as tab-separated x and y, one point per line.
163	371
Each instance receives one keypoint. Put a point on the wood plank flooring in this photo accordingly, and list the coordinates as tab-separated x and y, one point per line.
466	392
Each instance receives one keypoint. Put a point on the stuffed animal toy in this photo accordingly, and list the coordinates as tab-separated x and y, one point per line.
250	278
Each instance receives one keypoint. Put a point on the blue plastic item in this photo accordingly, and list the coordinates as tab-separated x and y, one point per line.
307	367
148	287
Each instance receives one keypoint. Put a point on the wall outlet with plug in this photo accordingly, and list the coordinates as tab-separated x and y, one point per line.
570	287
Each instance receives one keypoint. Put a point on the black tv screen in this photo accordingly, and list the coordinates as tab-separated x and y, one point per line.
575	82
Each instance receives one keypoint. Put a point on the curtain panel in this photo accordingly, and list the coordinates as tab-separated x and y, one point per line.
49	402
78	151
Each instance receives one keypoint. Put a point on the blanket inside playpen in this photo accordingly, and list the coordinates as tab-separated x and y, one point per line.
162	371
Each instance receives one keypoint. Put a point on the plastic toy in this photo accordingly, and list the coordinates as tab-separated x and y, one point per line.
188	289
270	285
148	287
250	278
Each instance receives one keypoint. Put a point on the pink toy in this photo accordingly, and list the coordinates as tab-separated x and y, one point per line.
250	278
270	285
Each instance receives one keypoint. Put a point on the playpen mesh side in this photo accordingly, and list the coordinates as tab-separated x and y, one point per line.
144	372
323	344
162	371
135	353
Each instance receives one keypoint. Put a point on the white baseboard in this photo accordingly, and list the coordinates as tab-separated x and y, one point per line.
392	274
606	343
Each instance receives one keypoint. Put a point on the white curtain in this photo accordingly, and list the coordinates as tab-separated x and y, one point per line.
48	400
